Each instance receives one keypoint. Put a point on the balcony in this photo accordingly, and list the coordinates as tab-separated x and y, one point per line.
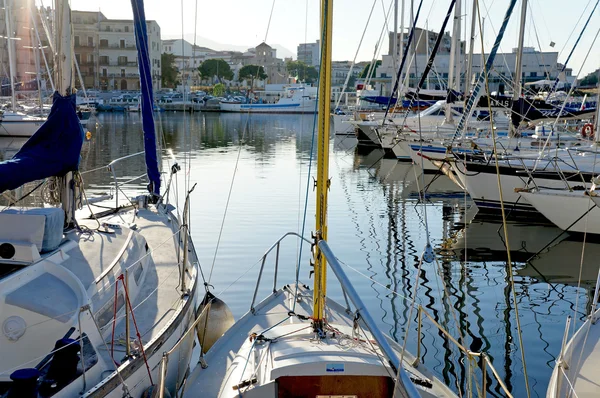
84	45
117	46
121	63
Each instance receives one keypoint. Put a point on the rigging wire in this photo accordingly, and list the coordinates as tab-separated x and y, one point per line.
237	161
337	104
504	225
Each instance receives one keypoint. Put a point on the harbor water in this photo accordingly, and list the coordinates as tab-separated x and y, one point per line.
250	174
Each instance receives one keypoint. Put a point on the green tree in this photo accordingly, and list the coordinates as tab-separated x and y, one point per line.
591	79
215	67
168	70
304	72
218	90
351	83
252	72
363	73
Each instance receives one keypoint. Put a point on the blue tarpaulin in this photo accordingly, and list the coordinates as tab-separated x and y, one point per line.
141	41
52	151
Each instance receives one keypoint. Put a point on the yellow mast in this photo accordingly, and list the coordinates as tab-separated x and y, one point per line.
322	180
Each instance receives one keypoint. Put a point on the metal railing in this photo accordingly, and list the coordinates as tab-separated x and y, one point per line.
111	168
263	259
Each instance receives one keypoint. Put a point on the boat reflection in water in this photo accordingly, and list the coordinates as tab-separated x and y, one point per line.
473	264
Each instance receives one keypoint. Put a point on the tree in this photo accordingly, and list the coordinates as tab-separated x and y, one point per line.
168	70
304	72
363	73
590	80
218	90
215	67
252	72
351	83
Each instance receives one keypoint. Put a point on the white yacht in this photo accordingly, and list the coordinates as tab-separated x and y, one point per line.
95	293
294	99
17	124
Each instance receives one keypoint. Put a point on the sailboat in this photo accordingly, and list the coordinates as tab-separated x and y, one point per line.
298	342
94	292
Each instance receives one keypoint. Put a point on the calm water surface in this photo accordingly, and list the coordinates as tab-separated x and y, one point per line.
377	227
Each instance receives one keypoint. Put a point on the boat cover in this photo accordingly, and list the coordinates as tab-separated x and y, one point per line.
52	151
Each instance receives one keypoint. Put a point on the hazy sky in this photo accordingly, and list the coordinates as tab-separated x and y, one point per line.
245	22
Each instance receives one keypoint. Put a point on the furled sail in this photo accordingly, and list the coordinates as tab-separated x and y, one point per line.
52	151
141	41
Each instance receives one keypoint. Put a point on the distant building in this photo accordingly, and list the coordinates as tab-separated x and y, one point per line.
26	57
340	71
188	58
118	54
424	40
309	53
266	56
535	66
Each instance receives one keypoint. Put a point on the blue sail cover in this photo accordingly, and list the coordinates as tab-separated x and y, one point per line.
52	151
141	41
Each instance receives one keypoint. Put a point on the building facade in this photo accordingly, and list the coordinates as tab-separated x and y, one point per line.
266	56
20	35
117	63
340	71
309	53
536	65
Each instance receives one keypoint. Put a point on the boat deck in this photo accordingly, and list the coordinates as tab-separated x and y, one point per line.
295	351
145	242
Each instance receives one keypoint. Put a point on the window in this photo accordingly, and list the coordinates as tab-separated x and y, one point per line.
122	60
76	41
122	72
104	60
90	58
533	74
90	42
122	43
103	43
78	58
104	72
91	71
126	28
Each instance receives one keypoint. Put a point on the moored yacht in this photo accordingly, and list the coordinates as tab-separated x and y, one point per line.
294	99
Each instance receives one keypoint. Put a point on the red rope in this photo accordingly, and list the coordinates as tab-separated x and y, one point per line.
112	340
137	331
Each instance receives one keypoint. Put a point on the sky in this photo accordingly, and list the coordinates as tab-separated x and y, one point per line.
246	23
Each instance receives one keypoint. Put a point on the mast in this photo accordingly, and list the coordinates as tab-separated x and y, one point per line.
427	47
63	65
11	55
395	46
401	54
471	45
322	180
519	61
454	70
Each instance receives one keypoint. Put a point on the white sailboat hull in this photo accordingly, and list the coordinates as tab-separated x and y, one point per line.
20	128
306	106
572	211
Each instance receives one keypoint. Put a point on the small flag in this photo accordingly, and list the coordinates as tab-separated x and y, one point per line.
552	44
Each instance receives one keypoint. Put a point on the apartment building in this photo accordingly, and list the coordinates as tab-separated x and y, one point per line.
20	36
310	53
117	55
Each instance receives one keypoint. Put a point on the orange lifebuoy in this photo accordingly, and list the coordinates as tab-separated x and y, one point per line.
587	130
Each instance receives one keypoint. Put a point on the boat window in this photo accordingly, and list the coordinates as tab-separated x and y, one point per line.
46	295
